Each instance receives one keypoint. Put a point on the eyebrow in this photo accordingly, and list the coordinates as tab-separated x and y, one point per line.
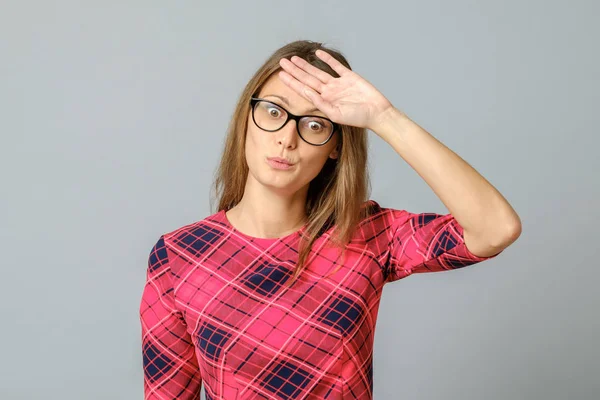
285	100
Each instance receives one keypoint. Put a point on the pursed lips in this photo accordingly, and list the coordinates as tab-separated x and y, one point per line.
281	160
279	163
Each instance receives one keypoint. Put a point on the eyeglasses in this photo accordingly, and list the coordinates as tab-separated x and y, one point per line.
271	117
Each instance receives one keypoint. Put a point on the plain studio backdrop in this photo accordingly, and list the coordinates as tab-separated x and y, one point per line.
113	117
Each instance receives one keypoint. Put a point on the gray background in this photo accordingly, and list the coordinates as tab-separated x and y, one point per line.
112	122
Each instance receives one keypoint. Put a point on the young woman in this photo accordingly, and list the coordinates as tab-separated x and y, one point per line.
275	296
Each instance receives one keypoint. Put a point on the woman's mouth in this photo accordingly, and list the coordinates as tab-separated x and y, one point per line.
279	163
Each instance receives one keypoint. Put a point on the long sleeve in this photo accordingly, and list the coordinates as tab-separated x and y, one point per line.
169	360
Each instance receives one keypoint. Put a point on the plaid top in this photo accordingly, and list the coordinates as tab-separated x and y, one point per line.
213	308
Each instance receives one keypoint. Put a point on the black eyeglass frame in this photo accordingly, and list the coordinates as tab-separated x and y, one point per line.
254	100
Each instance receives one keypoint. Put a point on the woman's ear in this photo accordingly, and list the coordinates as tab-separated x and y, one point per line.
334	154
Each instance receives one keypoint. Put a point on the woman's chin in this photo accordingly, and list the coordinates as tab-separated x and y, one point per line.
276	183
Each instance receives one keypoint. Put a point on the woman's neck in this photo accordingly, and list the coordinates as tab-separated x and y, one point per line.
268	215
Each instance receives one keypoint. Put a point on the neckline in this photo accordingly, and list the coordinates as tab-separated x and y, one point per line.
255	238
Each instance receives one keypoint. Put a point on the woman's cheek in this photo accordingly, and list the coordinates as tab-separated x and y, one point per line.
252	153
315	165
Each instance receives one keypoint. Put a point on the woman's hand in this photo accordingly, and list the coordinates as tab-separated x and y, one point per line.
348	100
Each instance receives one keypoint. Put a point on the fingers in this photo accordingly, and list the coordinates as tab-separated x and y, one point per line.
292	82
311	69
295	84
308	93
318	101
301	75
332	62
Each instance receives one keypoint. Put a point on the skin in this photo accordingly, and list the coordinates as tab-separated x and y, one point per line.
489	221
273	200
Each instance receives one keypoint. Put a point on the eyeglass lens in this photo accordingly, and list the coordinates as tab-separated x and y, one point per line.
270	117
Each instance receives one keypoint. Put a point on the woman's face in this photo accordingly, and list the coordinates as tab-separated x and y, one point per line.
307	160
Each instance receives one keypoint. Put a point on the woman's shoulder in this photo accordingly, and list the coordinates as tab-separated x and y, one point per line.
372	210
209	226
376	220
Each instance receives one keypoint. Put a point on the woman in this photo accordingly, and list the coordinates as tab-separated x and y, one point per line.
276	294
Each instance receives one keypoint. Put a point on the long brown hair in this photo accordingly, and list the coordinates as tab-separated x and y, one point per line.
336	195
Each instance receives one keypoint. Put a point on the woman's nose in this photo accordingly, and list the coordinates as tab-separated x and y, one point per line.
287	135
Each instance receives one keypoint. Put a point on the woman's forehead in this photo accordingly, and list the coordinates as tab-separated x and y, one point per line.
275	89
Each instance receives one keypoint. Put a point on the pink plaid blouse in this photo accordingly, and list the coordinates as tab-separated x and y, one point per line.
213	308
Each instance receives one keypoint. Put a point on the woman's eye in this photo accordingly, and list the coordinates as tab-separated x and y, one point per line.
315	126
274	112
